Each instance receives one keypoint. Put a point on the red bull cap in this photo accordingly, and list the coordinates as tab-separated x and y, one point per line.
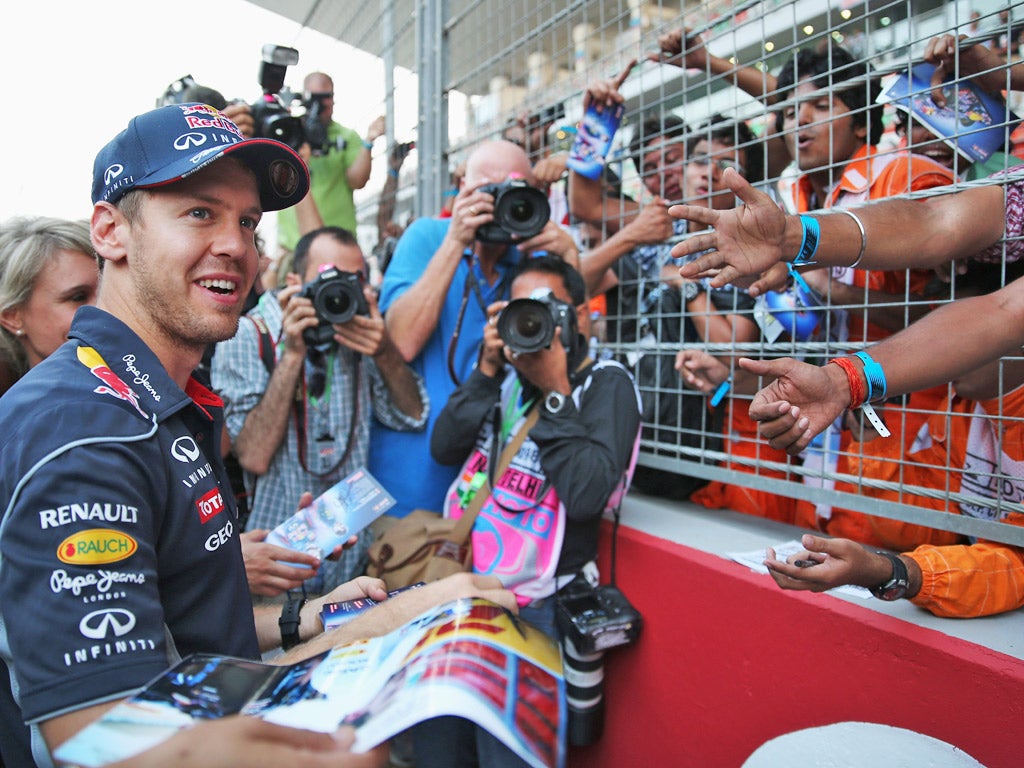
171	142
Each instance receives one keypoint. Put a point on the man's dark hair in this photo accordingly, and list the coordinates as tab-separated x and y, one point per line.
302	247
733	133
552	265
204	95
830	67
655	126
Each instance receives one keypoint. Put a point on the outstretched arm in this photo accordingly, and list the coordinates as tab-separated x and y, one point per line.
899	233
803	399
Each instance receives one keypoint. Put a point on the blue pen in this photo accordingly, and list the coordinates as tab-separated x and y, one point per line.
721	392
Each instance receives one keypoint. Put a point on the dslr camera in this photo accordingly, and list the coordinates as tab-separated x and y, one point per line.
591	620
529	325
596	618
520	212
337	297
273	113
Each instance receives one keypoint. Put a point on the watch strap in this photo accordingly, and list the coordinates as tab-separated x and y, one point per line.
896	587
289	622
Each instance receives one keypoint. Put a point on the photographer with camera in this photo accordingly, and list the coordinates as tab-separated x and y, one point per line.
340	162
444	274
538	529
299	381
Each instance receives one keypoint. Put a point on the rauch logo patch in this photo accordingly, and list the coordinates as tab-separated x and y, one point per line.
96	546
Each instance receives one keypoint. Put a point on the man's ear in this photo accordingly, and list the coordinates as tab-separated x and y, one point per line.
109	231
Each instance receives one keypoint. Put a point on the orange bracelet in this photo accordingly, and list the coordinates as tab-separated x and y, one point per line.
858	392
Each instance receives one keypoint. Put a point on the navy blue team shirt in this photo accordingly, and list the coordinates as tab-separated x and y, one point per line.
119	549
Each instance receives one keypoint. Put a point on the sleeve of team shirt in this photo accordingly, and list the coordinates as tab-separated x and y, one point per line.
965	581
82	632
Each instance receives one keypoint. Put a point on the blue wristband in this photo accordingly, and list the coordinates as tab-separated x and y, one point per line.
721	392
875	376
367	144
809	242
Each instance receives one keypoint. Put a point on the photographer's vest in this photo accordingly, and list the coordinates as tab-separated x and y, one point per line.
520	528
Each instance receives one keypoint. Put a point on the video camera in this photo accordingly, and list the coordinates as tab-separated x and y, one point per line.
529	325
273	112
337	297
520	212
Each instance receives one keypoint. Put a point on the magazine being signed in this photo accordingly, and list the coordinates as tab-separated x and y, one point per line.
469	658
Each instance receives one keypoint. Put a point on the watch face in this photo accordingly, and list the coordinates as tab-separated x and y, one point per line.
554	402
690	290
895	592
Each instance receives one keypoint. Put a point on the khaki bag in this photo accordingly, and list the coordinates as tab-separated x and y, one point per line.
424	545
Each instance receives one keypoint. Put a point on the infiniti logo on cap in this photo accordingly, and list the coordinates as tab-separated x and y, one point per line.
112	172
189	140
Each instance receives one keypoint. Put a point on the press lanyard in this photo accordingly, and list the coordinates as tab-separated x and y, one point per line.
514	410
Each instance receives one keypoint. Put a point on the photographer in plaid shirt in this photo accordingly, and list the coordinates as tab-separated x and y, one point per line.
299	421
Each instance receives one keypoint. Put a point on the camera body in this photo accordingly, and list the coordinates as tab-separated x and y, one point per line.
337	297
520	212
596	618
272	113
530	325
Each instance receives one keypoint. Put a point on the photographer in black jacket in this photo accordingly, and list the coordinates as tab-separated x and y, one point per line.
538	529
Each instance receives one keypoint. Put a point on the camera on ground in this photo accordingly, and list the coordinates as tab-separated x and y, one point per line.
530	325
520	212
337	297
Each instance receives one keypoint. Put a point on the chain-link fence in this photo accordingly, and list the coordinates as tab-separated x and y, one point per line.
819	104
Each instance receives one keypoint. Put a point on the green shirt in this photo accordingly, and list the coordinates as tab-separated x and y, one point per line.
329	186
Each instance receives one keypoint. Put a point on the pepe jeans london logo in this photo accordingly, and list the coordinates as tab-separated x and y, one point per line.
101	624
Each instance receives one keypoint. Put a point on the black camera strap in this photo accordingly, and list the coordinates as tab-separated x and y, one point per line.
299	408
471	284
492	459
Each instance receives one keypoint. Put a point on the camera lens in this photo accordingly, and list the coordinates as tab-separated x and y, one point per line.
335	302
529	324
526	325
584	693
520	210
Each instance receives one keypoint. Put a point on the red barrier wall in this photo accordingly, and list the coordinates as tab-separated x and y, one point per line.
728	661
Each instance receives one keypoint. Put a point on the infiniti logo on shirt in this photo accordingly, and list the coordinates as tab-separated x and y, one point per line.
185	450
100	624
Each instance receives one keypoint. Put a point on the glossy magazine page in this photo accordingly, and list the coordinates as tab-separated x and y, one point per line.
469	658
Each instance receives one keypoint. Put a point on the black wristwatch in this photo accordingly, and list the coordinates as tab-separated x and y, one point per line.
289	623
896	587
690	290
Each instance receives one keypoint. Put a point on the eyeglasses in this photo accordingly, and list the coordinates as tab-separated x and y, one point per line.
721	164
